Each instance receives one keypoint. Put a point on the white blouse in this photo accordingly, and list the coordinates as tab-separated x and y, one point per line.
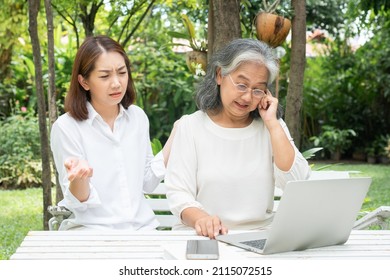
228	172
123	169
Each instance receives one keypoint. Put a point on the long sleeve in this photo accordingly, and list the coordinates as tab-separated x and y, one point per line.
181	180
300	170
64	144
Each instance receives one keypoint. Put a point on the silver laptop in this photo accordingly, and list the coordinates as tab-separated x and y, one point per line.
311	214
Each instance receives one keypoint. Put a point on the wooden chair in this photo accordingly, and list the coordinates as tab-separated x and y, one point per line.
380	217
159	203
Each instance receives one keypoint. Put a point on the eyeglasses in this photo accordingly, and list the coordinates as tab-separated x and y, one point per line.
258	93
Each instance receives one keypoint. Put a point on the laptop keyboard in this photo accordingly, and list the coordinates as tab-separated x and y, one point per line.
259	243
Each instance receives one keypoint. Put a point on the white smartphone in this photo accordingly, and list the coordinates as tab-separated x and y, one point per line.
202	249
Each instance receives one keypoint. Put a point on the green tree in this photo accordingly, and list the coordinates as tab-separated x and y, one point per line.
45	150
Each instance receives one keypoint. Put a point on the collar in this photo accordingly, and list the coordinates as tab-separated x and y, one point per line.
92	114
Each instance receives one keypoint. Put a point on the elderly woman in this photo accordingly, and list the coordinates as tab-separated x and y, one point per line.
227	158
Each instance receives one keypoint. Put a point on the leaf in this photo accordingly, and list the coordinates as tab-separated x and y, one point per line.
310	153
179	35
156	146
189	26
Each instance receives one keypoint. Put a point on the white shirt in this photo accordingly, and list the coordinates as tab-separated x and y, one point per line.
123	169
228	172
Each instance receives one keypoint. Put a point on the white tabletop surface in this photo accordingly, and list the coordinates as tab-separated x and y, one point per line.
54	245
45	245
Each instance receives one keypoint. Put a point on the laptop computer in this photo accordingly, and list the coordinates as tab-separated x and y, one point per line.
311	214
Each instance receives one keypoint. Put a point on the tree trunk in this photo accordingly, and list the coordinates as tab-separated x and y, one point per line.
223	25
33	9
88	18
297	69
51	93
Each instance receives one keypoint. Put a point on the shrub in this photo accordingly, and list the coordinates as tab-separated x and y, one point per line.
334	140
20	165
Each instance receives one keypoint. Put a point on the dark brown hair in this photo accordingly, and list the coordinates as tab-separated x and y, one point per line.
84	64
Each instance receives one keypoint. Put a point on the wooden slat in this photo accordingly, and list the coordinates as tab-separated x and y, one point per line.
167	220
110	238
160	190
90	233
158	204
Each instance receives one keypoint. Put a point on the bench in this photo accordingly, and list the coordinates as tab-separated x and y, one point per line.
379	217
156	199
159	203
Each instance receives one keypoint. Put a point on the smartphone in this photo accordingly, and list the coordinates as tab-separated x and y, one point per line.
202	249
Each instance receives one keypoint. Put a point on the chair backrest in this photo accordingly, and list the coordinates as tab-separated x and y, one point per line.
331	174
159	203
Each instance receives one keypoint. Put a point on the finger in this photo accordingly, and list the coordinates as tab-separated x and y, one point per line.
198	229
90	172
217	226
210	228
71	177
263	104
85	172
224	230
68	164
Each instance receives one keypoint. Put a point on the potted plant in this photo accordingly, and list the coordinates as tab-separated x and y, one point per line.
381	142
335	140
271	27
197	58
371	154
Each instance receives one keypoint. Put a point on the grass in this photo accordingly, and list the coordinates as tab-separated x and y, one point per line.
379	192
21	210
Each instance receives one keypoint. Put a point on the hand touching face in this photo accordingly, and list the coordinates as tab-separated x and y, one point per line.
268	107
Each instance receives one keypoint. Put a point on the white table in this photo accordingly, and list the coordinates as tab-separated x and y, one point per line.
52	245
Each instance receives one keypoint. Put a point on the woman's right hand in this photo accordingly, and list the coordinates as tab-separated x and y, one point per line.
210	226
79	173
77	169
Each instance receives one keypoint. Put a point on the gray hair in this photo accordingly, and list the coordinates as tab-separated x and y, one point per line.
228	59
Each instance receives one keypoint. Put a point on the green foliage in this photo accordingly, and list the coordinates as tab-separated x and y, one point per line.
343	81
308	154
20	152
378	146
156	146
190	35
333	139
375	5
164	85
345	88
326	15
